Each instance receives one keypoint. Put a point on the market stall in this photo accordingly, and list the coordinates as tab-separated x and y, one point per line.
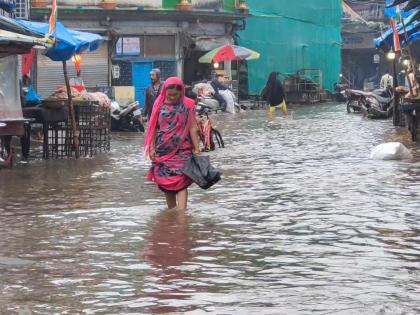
74	121
12	122
397	42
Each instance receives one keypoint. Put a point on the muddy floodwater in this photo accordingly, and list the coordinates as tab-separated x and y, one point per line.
302	223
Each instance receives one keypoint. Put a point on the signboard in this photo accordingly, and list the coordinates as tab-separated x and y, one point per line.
116	71
358	41
376	58
208	4
128	46
156	4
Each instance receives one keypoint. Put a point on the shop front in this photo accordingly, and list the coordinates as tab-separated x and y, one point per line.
136	55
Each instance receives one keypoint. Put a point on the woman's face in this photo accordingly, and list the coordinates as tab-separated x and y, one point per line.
173	93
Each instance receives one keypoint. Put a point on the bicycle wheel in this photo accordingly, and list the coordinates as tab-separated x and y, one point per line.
217	135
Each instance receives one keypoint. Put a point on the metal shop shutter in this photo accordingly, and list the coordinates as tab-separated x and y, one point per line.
94	71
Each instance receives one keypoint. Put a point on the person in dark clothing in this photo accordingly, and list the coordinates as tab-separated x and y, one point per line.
217	86
273	93
152	92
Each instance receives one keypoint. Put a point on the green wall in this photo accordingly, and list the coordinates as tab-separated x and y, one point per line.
291	36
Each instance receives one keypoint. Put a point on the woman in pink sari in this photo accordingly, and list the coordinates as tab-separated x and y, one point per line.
171	138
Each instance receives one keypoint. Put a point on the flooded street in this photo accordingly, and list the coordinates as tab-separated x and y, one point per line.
302	223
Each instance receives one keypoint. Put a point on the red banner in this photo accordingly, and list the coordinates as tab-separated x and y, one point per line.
27	61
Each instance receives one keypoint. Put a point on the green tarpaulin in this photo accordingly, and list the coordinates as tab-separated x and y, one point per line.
292	35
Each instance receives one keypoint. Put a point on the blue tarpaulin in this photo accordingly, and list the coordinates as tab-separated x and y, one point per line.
386	41
391	10
68	42
408	6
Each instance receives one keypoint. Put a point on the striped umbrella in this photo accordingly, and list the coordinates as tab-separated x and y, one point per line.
229	52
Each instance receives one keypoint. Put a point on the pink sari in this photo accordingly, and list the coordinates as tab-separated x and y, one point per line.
169	128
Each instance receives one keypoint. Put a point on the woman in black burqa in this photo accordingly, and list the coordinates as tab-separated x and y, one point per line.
273	93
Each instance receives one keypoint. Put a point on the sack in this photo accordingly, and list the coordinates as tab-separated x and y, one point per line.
199	169
230	99
391	151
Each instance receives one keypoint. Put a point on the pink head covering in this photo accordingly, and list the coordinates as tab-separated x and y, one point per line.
154	118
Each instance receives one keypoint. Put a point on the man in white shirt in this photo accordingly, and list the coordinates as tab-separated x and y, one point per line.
387	81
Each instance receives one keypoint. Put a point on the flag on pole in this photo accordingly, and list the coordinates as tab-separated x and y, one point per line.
53	19
397	44
398	14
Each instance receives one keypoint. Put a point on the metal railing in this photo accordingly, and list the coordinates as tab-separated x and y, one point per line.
22	9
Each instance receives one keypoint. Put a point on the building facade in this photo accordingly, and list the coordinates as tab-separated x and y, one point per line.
142	35
362	63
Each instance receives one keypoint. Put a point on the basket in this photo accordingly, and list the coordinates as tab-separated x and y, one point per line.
54	104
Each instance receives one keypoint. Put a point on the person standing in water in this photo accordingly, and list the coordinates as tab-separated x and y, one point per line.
273	93
171	139
152	92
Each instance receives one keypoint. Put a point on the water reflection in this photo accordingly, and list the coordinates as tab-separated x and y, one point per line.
168	248
302	223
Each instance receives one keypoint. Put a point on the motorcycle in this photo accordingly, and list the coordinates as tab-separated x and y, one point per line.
225	100
377	104
126	118
340	92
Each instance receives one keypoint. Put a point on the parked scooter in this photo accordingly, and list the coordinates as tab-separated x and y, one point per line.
206	95
379	105
126	118
376	104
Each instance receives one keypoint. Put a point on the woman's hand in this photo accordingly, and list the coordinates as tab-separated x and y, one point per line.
194	133
152	154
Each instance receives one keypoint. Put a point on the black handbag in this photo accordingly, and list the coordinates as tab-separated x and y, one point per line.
199	169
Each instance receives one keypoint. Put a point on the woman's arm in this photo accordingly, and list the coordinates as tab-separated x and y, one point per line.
194	133
152	153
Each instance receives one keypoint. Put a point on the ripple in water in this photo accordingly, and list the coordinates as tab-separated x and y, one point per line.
303	223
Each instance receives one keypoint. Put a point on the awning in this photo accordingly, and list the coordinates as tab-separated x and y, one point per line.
68	42
11	25
385	41
7	37
210	43
410	5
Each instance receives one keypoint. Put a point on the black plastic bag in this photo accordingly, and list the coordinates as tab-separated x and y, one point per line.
199	169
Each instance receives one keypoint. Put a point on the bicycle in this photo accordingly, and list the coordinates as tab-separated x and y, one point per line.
208	134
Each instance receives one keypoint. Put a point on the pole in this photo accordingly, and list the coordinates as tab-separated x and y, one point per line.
396	111
412	62
237	77
72	115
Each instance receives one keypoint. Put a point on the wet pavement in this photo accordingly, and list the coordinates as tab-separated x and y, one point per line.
302	223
